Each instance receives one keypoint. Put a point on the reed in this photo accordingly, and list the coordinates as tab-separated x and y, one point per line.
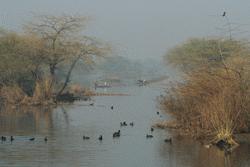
12	94
212	103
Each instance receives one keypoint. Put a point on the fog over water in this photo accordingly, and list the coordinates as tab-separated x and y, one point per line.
140	28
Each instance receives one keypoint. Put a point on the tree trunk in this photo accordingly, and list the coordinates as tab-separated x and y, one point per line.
68	75
52	68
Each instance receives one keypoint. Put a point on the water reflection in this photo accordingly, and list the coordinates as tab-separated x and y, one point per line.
189	153
65	125
25	120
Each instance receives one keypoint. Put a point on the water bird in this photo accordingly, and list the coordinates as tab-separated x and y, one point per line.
117	134
91	104
45	139
224	14
149	136
157	112
131	123
123	123
11	138
112	107
32	139
3	138
100	138
85	138
151	129
168	140
224	145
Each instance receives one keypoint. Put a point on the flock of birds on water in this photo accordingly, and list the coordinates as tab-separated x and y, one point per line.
116	134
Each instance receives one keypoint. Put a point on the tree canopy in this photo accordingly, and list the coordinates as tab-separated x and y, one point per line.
196	53
47	44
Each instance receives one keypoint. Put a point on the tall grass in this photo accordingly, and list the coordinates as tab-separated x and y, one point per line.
12	94
212	103
42	90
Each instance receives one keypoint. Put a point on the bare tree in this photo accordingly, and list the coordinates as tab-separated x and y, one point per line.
65	43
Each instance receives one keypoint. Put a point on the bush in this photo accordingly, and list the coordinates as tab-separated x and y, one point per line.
212	101
12	94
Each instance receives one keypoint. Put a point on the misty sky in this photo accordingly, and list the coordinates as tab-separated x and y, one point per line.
140	28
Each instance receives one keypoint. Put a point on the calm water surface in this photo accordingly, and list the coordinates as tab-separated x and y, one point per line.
66	125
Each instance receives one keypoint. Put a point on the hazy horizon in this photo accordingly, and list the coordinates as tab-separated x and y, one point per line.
138	28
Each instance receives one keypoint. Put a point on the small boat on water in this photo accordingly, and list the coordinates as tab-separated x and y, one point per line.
141	82
102	85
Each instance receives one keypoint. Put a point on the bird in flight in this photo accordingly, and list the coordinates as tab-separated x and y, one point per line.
224	14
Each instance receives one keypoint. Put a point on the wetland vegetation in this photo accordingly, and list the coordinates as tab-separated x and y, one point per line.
32	59
212	100
69	99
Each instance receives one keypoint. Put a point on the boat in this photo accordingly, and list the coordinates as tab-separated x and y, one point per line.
141	82
102	85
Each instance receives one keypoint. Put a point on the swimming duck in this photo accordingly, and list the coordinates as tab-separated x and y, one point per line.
131	123
85	138
168	140
149	136
32	139
3	138
45	139
151	129
11	138
112	107
100	138
123	123
117	134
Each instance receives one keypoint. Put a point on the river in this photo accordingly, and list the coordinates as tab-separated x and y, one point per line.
65	126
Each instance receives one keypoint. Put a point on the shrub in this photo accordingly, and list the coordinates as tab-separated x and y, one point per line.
212	101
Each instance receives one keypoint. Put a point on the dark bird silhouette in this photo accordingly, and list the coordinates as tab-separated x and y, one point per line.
112	107
45	139
100	138
32	139
152	129
123	123
12	138
3	138
225	146
168	140
224	14
85	138
149	136
117	134
131	123
157	113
